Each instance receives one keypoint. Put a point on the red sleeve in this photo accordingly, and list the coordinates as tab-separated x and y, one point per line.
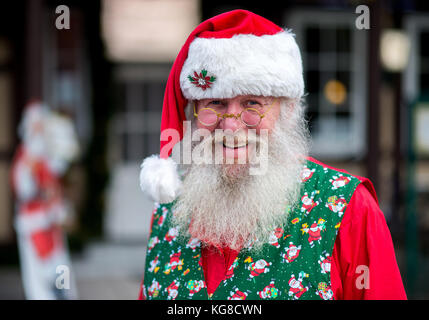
141	293
364	266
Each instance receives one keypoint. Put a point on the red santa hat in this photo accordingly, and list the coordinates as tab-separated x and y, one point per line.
234	53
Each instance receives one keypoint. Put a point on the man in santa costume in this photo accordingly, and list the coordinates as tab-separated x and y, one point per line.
48	145
233	174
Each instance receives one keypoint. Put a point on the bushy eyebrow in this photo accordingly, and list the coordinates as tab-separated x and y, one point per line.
259	99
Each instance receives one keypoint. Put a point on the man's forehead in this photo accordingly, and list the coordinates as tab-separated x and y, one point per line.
242	97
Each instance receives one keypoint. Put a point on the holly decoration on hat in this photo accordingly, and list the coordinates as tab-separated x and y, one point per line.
201	80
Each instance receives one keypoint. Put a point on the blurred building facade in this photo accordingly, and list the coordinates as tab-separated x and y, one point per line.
110	69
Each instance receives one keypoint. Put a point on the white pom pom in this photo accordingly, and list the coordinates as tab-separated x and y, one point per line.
159	178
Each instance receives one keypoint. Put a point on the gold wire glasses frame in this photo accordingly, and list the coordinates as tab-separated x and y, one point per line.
251	113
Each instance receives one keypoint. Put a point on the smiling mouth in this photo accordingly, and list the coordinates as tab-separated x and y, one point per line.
235	145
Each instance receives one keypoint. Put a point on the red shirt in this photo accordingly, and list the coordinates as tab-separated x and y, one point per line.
363	240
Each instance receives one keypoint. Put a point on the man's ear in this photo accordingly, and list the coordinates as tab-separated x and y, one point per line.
290	104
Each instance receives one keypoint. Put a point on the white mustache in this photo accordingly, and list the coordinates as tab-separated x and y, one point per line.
238	138
209	150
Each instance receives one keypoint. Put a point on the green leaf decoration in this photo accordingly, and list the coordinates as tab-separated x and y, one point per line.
204	72
190	78
212	79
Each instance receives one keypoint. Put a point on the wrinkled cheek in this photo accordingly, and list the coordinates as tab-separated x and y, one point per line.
252	152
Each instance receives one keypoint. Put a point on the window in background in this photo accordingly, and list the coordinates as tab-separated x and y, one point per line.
424	61
416	80
138	123
334	59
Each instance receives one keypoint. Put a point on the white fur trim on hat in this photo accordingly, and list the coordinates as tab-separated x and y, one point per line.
159	179
268	65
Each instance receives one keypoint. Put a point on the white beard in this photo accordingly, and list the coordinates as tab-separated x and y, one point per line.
230	207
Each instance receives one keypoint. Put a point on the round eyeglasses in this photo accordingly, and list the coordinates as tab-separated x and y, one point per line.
250	116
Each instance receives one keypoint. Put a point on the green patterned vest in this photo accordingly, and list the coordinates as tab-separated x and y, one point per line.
295	264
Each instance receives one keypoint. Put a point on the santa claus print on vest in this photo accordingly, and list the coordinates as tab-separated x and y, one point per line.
194	286
154	288
258	267
175	262
306	174
240	198
275	236
337	204
269	292
325	291
296	286
230	272
291	252
237	295
162	217
314	231
325	263
171	235
308	202
339	181
172	290
153	241
154	265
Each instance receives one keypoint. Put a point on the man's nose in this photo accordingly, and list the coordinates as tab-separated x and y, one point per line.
232	123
